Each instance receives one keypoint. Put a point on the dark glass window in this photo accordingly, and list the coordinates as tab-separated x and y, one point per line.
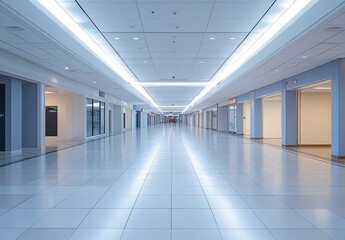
95	111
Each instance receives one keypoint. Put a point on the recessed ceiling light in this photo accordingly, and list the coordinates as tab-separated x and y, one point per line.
304	56
212	38
66	68
117	38
145	61
202	62
94	82
232	38
135	38
277	70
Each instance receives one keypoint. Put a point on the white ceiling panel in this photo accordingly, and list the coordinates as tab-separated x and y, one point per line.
174	55
338	38
175	11
131	48
228	48
11	38
118	25
113	10
214	54
173	47
174	62
178	25
240	10
173	92
231	25
169	38
31	38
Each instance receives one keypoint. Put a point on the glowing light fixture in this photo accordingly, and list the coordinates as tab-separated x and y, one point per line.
113	63
176	84
172	106
224	73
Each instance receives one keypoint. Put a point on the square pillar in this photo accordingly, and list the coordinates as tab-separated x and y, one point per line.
239	119
289	117
338	109
256	120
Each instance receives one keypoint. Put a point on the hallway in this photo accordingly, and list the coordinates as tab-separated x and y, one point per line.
172	182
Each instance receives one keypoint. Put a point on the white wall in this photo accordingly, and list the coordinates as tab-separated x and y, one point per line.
272	118
66	104
116	118
246	118
197	119
129	121
315	118
143	122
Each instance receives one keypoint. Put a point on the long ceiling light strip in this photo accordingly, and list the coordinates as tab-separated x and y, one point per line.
172	84
54	8
226	72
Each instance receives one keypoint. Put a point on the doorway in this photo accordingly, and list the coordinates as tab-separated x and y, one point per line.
246	118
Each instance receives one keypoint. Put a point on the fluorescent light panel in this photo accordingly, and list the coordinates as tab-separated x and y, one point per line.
54	8
226	72
172	106
177	84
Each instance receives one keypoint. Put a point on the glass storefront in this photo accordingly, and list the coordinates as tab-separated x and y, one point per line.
95	112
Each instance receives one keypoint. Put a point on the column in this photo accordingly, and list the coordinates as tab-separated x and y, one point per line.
338	109
41	116
239	119
13	113
30	115
289	117
256	122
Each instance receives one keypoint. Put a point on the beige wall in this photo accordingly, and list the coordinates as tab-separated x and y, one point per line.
66	114
315	118
246	118
272	118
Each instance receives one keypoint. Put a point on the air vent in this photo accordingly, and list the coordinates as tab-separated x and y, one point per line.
334	29
101	94
14	28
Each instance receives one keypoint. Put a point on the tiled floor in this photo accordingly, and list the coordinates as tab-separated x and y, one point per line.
52	145
172	182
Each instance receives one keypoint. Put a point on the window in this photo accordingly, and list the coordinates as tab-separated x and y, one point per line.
95	112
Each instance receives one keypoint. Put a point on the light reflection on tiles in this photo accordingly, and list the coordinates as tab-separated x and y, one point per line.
172	182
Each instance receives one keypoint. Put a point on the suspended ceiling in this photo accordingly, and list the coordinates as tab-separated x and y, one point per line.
172	41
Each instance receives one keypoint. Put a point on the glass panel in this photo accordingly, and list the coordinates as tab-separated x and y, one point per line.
89	116
96	117
102	117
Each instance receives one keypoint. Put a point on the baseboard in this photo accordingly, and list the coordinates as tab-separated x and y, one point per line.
338	157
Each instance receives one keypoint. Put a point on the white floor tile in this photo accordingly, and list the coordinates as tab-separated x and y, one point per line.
106	218
150	218
193	218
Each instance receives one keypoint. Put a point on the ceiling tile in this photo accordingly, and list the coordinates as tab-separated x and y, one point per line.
239	10
110	9
118	25
178	25
174	11
231	25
